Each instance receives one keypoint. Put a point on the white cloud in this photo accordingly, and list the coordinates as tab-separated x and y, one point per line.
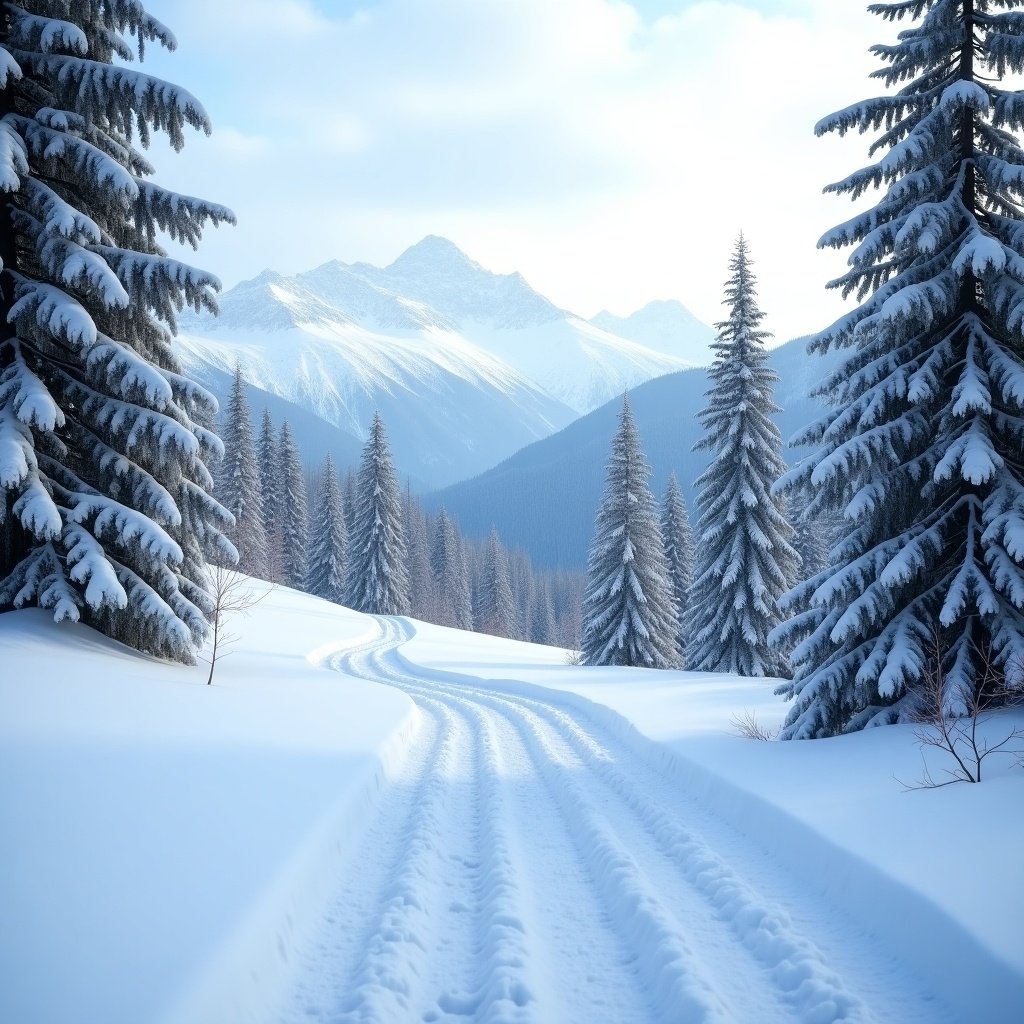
610	159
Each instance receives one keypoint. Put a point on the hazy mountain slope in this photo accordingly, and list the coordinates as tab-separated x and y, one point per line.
664	325
315	436
544	498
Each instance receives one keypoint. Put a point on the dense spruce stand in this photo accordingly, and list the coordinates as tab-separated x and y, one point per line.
106	513
629	612
922	449
745	561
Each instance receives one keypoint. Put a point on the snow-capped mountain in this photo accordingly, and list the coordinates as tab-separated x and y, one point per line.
576	361
664	325
466	366
452	409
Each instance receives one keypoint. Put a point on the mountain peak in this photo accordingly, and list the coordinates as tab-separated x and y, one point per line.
433	250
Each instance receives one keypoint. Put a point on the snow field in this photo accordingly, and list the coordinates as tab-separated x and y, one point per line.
684	930
292	845
164	845
830	813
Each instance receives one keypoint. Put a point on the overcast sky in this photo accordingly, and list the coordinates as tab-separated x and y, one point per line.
609	151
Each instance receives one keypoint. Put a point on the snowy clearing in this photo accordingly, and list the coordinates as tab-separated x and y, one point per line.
298	845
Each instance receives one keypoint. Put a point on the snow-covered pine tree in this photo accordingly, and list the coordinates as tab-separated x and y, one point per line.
812	533
293	513
422	597
542	618
497	607
463	592
744	559
678	538
521	575
629	613
328	550
106	513
268	463
378	581
451	578
239	486
922	449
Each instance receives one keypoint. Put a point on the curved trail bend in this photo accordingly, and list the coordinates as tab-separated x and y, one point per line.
527	866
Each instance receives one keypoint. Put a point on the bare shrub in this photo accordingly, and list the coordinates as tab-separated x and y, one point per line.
231	596
958	737
744	723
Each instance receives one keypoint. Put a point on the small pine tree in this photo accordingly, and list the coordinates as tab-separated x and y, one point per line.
451	579
329	547
378	581
922	447
497	608
294	517
422	596
744	560
269	463
106	513
629	614
678	538
542	619
239	486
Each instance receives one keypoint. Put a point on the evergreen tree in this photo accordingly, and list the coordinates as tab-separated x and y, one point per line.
329	548
922	448
422	597
269	464
629	615
106	512
239	486
378	582
678	538
497	608
451	580
542	619
294	516
811	535
744	559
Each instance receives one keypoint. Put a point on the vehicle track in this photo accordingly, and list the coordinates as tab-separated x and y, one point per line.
527	865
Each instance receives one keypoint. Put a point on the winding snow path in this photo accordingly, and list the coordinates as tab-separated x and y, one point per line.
527	865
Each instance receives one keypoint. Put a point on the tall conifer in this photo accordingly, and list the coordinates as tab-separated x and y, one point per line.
629	614
328	550
106	512
239	486
744	558
293	514
678	538
378	580
922	448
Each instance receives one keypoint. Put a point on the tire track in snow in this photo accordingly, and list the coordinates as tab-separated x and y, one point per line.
668	967
700	942
421	918
799	970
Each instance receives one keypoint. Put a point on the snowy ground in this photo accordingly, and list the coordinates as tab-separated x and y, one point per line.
475	840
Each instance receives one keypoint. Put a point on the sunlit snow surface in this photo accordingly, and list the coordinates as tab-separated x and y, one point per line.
484	838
